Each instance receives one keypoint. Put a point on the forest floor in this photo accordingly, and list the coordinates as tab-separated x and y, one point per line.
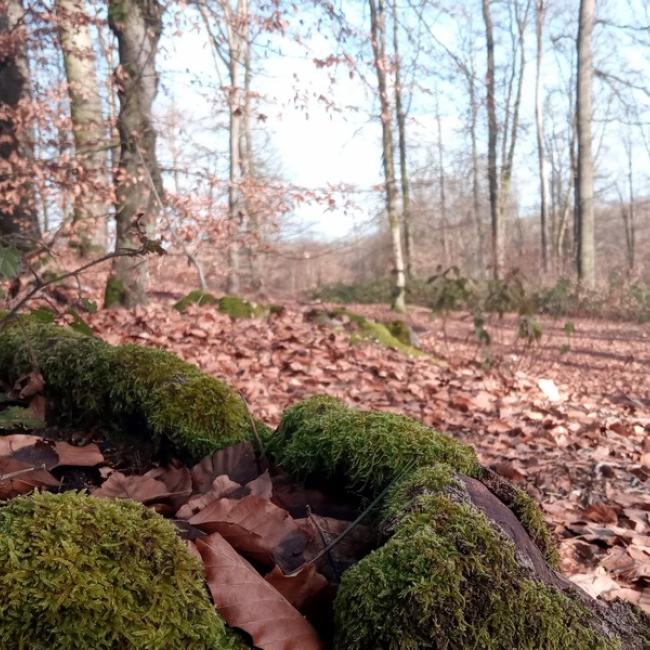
568	418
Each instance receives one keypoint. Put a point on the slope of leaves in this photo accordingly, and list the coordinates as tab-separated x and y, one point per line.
584	452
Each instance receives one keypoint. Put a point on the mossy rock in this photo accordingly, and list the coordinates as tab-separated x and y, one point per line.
82	572
364	450
127	388
402	332
237	307
365	329
196	297
447	575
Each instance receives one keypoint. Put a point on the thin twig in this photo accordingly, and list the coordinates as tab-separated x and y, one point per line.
124	252
19	472
330	557
258	438
358	520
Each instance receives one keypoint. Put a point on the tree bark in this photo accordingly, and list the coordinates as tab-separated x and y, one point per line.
493	185
137	24
403	166
90	212
476	206
18	215
444	222
539	124
585	240
378	41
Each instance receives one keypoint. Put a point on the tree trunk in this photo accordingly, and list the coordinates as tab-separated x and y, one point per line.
585	241
18	216
629	216
403	167
378	40
539	124
476	206
87	123
444	222
493	185
137	24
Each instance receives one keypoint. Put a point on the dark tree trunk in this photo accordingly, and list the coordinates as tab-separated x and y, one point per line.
18	216
137	24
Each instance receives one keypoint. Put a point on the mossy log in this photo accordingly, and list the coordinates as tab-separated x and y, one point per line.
82	572
127	388
466	560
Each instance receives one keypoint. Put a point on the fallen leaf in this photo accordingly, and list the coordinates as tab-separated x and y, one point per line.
257	528
247	601
22	478
84	456
238	462
298	588
221	487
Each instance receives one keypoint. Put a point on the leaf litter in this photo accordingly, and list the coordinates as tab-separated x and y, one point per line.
572	428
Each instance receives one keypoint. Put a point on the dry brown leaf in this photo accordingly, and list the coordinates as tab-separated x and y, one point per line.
257	528
222	486
298	588
145	489
18	477
601	513
12	443
87	456
238	462
247	601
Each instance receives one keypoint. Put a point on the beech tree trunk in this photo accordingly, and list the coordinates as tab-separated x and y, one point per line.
378	41
493	184
539	124
585	238
403	167
137	24
18	215
87	123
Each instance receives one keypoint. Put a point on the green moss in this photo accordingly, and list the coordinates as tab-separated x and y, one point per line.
196	297
126	388
400	330
237	307
527	511
447	579
532	519
198	413
365	329
79	572
115	293
365	450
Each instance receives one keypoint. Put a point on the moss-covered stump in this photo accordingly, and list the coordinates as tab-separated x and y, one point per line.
395	335
81	572
127	388
196	297
457	568
237	307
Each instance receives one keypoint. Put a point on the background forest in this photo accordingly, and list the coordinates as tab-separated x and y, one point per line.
282	148
258	214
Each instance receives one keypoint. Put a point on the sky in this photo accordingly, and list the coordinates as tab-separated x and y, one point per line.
313	145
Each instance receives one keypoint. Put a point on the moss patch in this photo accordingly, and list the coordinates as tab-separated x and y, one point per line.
115	293
237	307
447	579
196	297
79	572
178	402
390	335
364	450
127	388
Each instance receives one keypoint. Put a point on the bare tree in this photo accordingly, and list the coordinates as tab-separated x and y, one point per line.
137	24
18	216
540	14
401	131
585	238
378	41
87	124
493	181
